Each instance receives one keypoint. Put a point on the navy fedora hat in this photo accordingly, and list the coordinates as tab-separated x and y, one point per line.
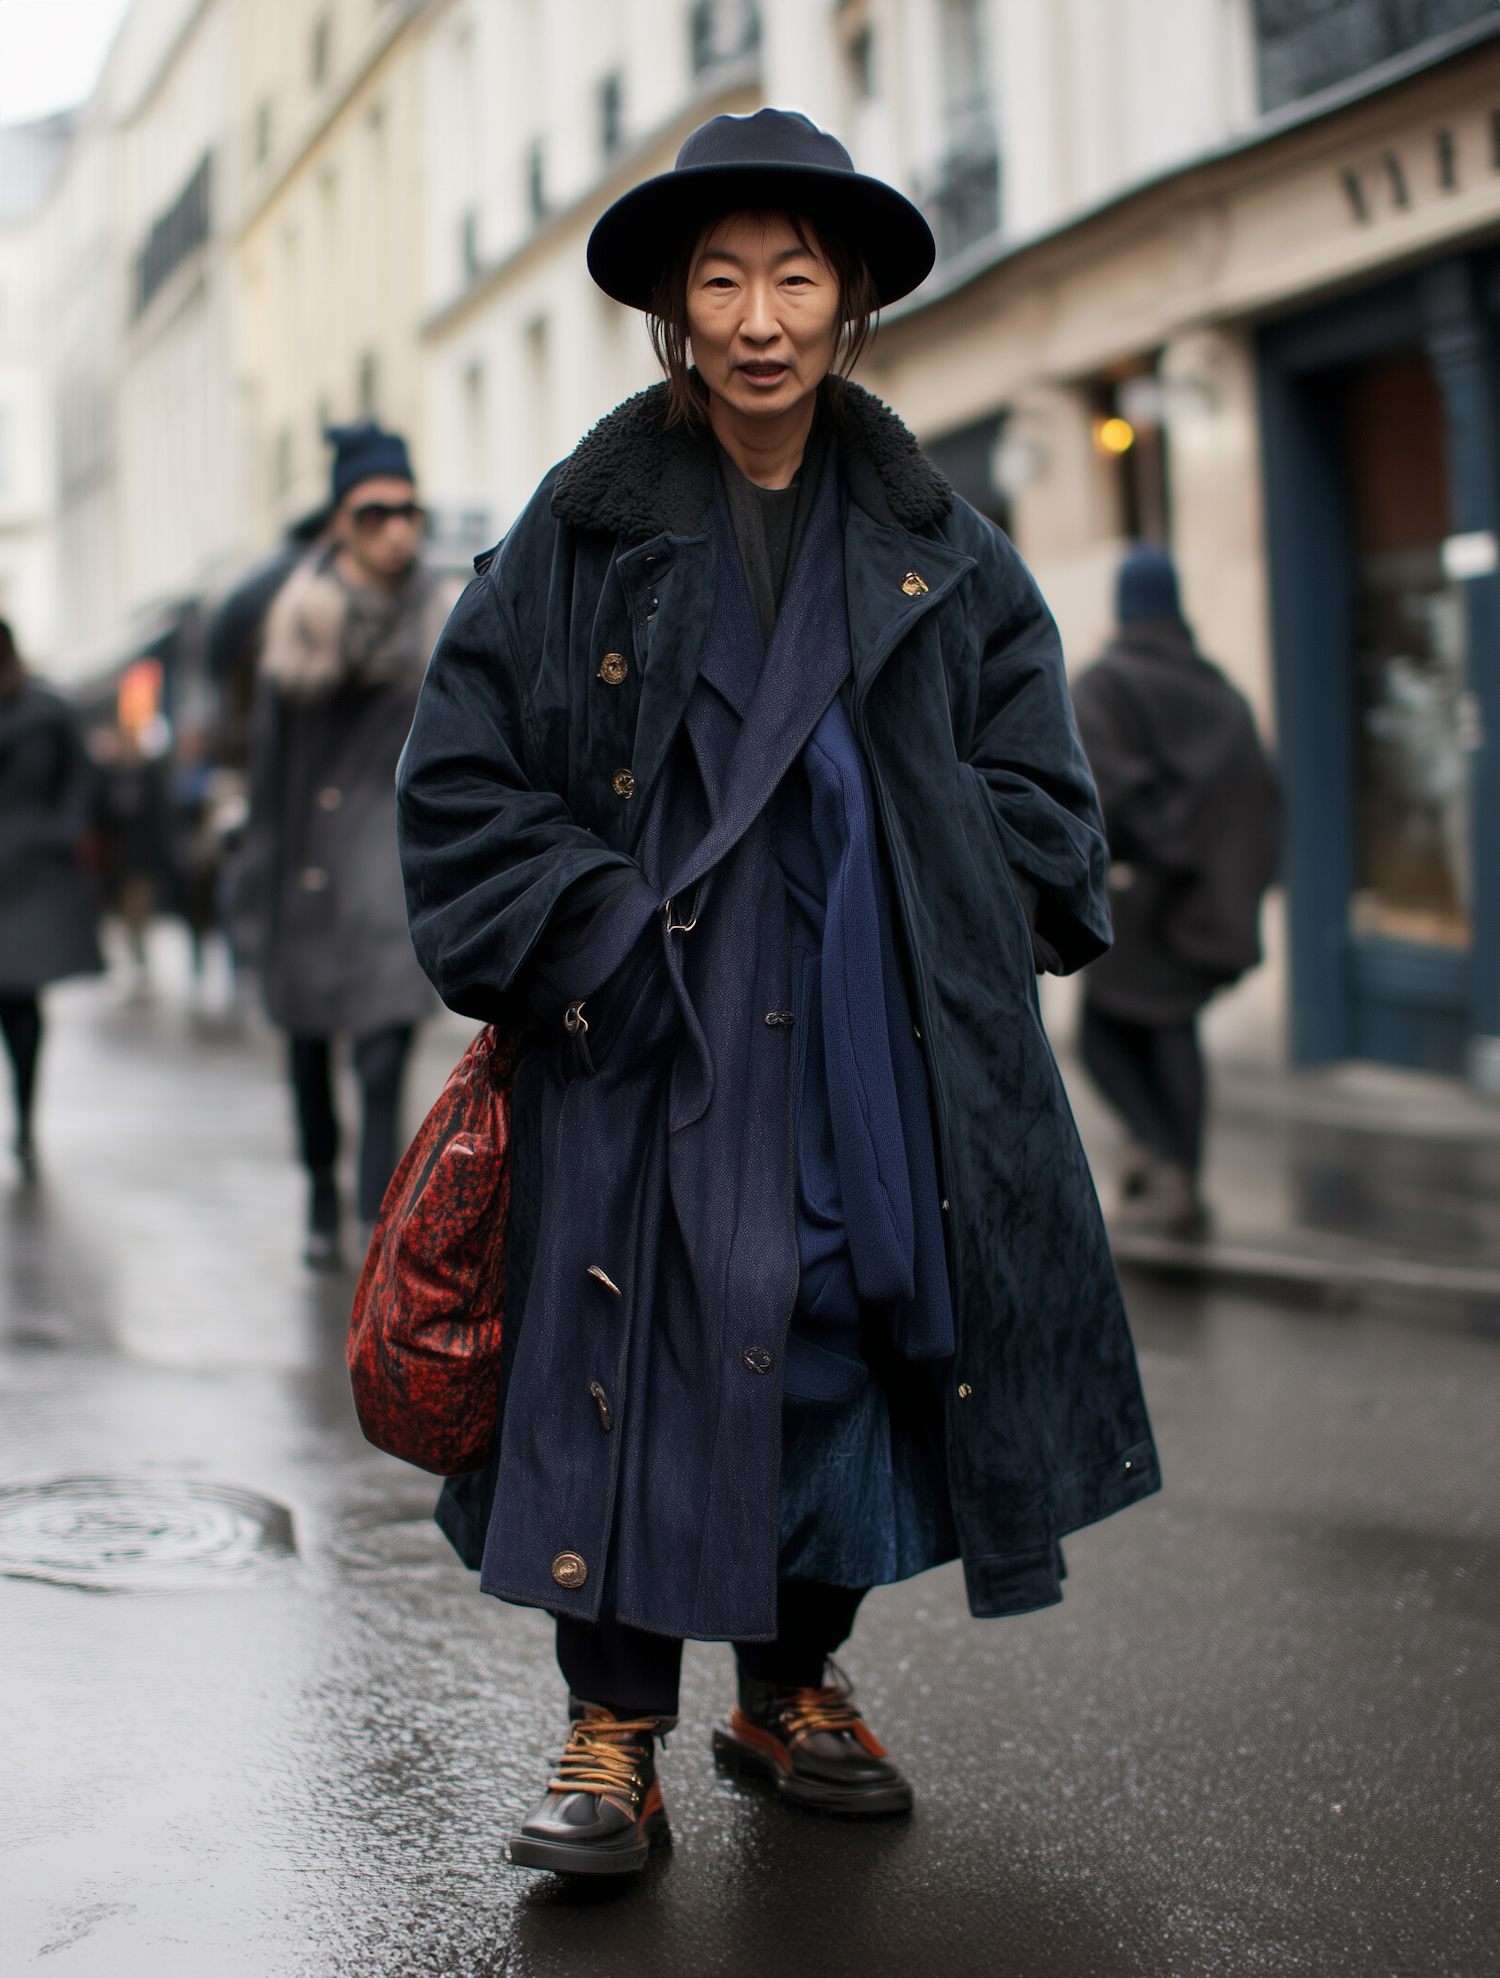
775	161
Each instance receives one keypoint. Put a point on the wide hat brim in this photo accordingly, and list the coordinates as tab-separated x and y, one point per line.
633	244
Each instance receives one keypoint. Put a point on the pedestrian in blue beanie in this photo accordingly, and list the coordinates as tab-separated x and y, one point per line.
744	789
1191	809
319	904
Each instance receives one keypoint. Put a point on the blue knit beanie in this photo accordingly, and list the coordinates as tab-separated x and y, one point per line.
365	453
1146	586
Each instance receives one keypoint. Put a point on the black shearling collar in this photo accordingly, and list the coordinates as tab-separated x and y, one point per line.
635	478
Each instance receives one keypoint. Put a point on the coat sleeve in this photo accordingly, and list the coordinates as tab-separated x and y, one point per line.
1023	743
495	865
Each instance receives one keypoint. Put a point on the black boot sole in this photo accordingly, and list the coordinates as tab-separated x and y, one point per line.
625	1856
814	1795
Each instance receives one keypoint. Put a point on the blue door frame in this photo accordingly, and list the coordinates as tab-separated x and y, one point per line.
1393	1000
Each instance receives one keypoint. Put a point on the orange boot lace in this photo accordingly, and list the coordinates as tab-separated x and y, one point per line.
598	1759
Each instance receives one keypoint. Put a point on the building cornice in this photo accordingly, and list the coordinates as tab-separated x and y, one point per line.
733	86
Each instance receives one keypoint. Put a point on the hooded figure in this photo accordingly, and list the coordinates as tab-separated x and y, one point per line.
317	902
744	785
1191	808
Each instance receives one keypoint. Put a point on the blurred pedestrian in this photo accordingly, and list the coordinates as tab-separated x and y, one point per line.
1191	809
722	772
133	816
346	642
47	905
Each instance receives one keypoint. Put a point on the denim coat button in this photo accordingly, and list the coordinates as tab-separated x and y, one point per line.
624	783
757	1359
612	668
569	1570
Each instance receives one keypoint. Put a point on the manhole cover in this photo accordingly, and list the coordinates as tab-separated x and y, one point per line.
139	1534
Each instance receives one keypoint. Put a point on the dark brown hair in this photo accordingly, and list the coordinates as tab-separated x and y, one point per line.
668	318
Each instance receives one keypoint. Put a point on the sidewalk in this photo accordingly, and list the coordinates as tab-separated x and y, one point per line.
1352	1181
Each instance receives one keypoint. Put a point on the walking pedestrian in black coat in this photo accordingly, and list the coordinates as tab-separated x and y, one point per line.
745	781
1191	809
47	904
318	903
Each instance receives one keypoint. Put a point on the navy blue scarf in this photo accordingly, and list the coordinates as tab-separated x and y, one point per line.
869	1228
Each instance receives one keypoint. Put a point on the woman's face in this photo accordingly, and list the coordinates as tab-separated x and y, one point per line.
763	313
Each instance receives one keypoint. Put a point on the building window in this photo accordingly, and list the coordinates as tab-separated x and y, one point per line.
262	132
860	49
322	38
1307	45
184	226
367	391
722	30
470	244
474	427
536	181
5	468
611	116
283	467
963	200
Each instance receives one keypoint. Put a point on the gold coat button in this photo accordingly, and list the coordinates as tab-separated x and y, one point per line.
330	799
964	1390
624	783
569	1570
912	584
314	879
612	669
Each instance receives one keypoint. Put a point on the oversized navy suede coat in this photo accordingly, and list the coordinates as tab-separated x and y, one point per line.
522	794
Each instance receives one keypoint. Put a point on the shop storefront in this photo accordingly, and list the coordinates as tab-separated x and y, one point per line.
1379	453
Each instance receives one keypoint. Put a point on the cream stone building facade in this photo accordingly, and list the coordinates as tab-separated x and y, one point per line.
1220	273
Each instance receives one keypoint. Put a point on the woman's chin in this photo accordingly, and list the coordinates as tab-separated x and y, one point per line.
767	402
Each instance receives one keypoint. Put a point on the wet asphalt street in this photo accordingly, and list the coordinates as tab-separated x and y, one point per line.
1262	1733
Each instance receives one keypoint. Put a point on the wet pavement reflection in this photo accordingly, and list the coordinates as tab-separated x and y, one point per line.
1261	1734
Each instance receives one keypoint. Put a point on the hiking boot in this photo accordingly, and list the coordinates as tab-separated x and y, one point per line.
602	1812
815	1747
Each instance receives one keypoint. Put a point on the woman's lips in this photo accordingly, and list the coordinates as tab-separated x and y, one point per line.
764	374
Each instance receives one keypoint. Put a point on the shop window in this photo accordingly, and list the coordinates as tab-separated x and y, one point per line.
1412	711
971	460
1130	432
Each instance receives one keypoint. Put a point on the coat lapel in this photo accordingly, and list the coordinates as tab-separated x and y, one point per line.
670	585
879	561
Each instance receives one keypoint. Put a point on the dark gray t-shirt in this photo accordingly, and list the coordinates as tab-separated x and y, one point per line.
769	524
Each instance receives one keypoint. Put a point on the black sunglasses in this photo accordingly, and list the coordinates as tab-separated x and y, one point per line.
371	516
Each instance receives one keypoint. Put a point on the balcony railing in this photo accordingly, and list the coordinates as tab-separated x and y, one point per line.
963	203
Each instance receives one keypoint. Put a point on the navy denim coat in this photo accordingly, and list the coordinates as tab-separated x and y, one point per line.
547	719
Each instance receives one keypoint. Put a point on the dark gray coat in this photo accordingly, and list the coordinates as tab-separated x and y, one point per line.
523	789
318	901
1193	817
47	903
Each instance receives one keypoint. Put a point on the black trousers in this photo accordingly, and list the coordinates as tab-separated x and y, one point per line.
21	1022
636	1674
379	1063
1154	1077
